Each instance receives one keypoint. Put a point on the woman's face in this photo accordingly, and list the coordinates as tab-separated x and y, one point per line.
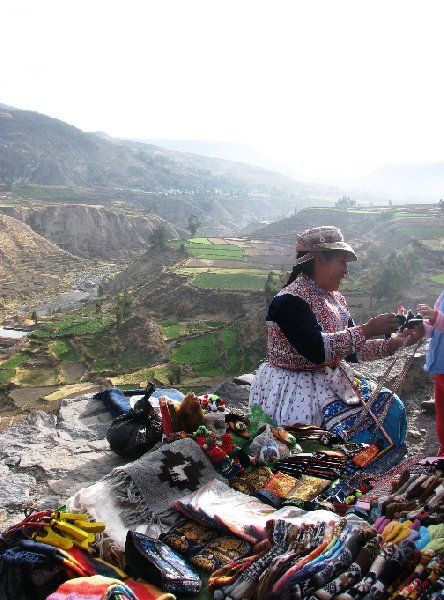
330	271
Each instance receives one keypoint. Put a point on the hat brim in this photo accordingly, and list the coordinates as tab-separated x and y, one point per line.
320	246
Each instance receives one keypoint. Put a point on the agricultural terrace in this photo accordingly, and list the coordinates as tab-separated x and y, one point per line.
173	330
208	249
217	353
249	280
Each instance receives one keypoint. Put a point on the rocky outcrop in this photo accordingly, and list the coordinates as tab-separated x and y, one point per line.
19	244
92	231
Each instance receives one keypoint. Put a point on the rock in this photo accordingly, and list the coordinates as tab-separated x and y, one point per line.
413	433
235	396
46	458
246	379
428	406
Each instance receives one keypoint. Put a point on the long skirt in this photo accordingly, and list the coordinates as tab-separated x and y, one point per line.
326	398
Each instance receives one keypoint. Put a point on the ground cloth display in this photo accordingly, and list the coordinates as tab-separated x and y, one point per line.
146	488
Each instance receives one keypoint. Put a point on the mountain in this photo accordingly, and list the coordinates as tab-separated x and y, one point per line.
242	153
418	182
45	159
42	150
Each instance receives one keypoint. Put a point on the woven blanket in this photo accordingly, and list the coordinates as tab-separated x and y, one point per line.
146	488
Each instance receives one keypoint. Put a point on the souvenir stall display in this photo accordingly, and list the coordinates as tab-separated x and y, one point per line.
243	510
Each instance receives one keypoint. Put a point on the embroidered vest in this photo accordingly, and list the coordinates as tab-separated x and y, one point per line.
331	312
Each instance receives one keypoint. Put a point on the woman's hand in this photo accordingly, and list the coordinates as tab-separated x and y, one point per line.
427	312
381	324
407	337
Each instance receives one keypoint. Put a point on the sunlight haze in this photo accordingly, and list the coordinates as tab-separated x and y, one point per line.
332	89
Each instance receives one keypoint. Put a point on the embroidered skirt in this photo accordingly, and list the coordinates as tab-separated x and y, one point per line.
326	398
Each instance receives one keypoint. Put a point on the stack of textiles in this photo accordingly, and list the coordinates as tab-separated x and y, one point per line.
328	464
323	559
418	490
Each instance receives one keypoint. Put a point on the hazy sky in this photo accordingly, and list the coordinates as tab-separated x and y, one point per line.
333	88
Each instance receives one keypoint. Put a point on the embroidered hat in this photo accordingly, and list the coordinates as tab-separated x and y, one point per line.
322	238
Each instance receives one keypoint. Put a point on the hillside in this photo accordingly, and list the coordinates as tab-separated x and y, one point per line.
46	159
29	263
93	232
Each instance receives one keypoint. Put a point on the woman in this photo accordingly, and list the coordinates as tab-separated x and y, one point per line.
311	340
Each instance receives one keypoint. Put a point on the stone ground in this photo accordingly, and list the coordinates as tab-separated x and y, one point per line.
45	457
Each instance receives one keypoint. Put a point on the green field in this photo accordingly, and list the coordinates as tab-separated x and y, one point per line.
47	193
248	280
424	231
76	326
64	351
208	354
203	248
173	331
437	278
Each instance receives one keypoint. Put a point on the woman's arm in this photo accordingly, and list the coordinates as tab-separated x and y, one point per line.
298	323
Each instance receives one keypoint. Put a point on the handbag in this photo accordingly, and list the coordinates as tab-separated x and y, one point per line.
157	563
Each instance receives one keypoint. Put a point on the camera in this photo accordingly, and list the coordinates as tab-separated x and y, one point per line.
409	320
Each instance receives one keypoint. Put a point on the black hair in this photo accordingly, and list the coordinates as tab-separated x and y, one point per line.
307	268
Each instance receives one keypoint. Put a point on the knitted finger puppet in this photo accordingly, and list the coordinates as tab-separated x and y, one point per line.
211	403
226	466
189	413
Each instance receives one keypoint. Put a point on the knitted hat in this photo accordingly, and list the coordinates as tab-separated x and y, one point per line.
322	238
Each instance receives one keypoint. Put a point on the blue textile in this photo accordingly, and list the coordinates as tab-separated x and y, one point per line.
435	355
117	401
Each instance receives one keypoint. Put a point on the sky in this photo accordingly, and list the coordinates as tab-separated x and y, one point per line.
332	88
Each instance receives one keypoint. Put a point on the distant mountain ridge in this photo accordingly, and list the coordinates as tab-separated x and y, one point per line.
415	181
237	152
43	150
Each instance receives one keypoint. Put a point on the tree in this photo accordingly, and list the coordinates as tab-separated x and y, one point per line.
345	202
34	317
193	224
159	238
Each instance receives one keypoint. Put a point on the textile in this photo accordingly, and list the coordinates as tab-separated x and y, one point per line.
188	537
147	591
306	488
146	488
253	481
157	563
221	551
119	402
308	397
219	506
95	587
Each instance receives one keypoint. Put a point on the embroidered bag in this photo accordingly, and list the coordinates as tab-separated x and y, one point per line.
155	562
